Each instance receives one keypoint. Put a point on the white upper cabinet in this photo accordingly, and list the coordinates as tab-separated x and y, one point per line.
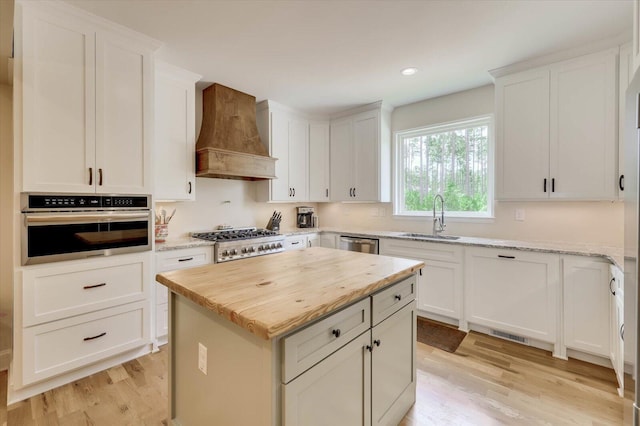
286	134
522	132
86	94
624	78
174	133
583	124
360	156
319	168
550	130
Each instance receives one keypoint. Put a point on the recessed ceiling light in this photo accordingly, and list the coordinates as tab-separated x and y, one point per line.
409	71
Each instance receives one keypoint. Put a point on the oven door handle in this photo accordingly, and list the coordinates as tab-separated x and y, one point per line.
48	219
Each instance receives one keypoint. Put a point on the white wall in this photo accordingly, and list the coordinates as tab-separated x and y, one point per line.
6	216
589	222
225	202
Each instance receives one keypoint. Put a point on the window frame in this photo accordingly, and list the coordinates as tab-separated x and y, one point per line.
398	181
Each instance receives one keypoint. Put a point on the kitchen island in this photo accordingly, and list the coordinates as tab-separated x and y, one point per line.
314	336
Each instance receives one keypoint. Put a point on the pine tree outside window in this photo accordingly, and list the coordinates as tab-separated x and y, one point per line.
453	159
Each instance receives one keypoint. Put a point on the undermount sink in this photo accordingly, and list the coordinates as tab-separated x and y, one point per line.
430	237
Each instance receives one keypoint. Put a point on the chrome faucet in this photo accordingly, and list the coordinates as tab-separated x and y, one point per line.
438	222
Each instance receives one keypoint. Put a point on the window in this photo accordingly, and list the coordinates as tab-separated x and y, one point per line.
453	159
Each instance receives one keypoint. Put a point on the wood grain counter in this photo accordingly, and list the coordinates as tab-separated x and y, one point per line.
272	295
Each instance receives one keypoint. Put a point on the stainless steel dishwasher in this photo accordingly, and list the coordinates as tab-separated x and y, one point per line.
363	245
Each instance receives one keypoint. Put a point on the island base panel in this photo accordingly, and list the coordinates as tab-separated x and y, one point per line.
237	388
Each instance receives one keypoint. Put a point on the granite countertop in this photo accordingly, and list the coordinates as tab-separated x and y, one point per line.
182	243
614	255
272	295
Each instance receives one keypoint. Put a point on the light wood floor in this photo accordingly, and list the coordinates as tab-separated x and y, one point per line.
487	381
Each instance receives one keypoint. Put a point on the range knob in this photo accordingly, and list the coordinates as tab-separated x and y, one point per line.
260	248
244	250
273	246
225	253
279	245
251	249
234	252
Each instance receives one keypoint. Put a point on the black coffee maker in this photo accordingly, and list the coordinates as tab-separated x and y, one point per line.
305	217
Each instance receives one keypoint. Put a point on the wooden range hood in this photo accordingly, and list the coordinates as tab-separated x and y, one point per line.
229	146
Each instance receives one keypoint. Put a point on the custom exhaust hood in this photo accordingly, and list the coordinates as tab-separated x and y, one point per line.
229	146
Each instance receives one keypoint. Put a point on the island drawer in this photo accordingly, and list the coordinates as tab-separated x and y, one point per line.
312	344
55	292
390	300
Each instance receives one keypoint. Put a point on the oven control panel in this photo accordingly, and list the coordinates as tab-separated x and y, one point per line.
57	202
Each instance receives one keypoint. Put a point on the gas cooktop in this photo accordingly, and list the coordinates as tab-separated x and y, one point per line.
240	243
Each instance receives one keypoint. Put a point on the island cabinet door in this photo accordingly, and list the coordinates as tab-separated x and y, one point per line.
337	391
393	373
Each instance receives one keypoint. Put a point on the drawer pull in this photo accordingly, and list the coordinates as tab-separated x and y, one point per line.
86	287
336	332
295	242
95	337
622	331
398	297
613	292
420	271
186	259
502	256
369	348
376	342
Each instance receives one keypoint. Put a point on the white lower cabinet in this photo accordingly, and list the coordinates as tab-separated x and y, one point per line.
77	315
586	305
513	291
370	380
328	240
313	240
295	242
440	284
168	261
616	304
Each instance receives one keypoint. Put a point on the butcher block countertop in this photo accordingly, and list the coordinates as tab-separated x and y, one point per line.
272	295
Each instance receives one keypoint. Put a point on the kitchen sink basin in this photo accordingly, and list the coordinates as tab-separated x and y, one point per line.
430	237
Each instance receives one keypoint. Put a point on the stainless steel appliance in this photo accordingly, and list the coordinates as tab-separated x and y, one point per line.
242	243
362	245
65	227
305	217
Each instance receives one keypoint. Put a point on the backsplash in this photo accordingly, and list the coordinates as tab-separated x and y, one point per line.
225	202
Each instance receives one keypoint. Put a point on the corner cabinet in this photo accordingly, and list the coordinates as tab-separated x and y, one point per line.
84	102
361	156
549	130
175	128
286	134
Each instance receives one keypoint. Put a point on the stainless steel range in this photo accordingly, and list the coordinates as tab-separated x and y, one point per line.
241	243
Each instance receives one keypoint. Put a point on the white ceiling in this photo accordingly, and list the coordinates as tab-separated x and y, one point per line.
322	56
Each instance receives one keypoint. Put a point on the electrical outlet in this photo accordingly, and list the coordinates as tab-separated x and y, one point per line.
520	215
202	358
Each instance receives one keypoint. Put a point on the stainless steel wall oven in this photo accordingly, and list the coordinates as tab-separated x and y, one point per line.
65	227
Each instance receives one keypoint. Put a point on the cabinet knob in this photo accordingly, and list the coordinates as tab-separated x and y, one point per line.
398	297
612	291
376	342
369	348
336	332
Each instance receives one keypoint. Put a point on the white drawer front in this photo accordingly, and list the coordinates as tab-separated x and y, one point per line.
421	250
60	346
57	292
295	243
310	345
184	258
389	301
